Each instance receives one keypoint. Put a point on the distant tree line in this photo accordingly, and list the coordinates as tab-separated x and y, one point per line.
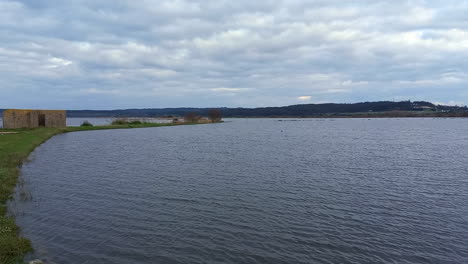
303	110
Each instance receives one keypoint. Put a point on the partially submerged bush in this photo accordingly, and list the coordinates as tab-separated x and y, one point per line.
191	117
125	121
86	123
120	121
214	115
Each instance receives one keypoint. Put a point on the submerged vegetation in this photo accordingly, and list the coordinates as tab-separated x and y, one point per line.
15	146
126	121
86	124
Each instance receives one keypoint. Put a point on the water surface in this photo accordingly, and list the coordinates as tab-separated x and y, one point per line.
252	191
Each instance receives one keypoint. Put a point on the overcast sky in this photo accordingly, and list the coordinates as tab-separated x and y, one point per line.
92	54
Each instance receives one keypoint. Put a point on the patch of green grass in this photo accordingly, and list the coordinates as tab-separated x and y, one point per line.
14	149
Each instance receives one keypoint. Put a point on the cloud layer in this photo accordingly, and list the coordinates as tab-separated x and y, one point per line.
147	53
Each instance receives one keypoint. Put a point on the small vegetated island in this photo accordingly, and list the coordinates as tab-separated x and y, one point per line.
23	131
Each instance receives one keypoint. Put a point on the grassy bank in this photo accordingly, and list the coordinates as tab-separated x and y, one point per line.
15	147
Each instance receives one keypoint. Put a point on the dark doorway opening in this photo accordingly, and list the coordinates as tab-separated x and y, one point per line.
42	120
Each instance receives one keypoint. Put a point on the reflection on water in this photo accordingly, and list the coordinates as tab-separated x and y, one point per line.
252	191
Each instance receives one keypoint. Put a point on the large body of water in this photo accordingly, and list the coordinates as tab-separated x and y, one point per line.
251	191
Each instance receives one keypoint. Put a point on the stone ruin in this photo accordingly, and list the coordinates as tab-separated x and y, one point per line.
18	118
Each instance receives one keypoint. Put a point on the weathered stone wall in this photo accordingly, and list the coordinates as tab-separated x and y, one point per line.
14	118
19	119
54	118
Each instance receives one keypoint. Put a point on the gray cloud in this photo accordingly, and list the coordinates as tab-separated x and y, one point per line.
119	54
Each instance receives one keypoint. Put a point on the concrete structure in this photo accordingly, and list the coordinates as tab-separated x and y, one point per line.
15	118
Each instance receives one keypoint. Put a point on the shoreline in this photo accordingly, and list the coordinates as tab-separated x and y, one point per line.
15	147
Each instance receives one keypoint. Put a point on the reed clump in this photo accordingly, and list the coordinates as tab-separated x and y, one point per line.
86	123
119	121
125	121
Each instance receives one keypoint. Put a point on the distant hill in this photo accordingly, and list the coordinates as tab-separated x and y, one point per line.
303	110
365	109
